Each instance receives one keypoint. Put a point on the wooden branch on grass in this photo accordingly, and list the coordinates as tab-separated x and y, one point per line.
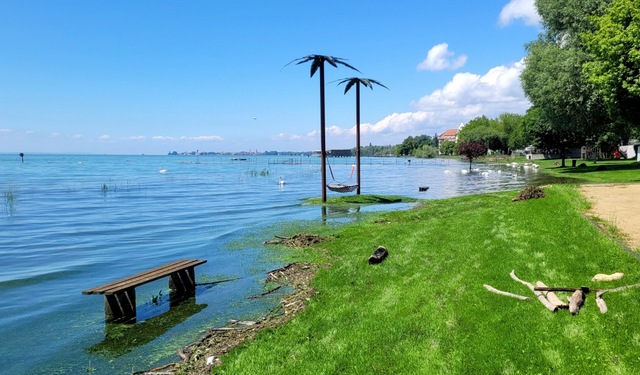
576	301
601	304
503	293
551	296
550	306
618	289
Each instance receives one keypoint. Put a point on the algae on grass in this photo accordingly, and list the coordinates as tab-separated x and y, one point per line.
363	199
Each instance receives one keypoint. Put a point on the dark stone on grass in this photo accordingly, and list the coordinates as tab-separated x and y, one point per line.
379	255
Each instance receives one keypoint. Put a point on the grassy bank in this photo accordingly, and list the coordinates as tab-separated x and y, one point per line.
425	311
598	172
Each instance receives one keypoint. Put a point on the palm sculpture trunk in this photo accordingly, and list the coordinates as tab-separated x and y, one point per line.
317	62
323	143
358	138
350	82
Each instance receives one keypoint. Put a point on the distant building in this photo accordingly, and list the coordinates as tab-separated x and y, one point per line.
339	153
448	135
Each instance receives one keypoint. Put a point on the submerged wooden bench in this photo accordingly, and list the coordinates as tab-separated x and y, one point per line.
120	295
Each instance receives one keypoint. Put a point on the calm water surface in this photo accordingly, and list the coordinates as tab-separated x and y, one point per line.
72	222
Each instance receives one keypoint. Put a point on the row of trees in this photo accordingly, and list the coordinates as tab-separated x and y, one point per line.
502	135
582	74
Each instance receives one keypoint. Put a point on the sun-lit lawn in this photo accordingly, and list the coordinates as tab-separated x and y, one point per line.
425	311
601	171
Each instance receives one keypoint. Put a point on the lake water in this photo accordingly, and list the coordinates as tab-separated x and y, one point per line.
72	222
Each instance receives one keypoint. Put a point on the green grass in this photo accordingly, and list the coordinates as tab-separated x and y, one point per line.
606	171
425	311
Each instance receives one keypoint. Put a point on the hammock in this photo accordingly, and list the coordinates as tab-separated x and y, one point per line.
340	187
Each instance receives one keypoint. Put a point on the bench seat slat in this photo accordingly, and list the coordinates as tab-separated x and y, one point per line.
144	277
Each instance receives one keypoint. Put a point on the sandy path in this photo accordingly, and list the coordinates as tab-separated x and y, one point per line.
619	204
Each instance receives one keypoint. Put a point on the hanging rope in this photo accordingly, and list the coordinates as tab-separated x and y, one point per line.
340	187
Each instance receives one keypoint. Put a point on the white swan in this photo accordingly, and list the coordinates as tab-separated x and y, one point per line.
164	171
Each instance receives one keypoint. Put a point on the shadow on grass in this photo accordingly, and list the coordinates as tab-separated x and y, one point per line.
601	166
607	171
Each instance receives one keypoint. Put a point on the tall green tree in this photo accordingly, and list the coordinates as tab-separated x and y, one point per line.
488	131
565	20
553	82
511	125
317	64
553	77
448	148
614	44
349	83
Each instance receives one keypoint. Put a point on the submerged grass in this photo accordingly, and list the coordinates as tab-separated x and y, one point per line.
362	199
424	310
9	201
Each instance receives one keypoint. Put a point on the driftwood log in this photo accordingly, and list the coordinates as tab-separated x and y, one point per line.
503	293
552	302
379	255
576	301
551	296
602	305
550	306
605	277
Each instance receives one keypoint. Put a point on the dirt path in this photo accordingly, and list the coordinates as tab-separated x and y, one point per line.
619	204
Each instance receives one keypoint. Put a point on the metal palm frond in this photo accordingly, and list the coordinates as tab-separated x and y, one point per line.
318	60
367	82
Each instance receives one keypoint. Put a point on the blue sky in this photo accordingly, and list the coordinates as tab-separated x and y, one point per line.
149	77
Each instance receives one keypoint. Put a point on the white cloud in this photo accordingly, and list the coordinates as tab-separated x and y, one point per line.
162	138
440	58
519	9
397	123
5	131
205	138
470	95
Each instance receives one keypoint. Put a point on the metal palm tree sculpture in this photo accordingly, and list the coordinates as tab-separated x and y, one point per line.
366	82
317	63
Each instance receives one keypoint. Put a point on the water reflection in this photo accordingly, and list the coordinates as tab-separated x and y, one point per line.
120	339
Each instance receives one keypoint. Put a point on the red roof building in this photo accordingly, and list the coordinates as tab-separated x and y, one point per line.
448	135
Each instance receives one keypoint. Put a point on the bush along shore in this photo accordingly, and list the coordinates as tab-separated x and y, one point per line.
425	309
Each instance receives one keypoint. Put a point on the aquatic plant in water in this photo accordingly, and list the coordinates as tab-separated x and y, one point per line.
9	201
264	173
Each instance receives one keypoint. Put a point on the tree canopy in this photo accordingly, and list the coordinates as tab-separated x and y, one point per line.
471	150
569	106
614	46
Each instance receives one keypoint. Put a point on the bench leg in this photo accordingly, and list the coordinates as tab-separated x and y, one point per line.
121	306
182	284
